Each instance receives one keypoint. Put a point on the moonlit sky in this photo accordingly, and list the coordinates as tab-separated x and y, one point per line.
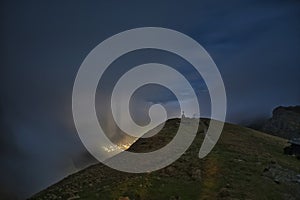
255	45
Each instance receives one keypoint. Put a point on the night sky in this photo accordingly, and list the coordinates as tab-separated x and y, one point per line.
254	43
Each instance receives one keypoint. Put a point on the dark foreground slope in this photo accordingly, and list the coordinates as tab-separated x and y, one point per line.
245	164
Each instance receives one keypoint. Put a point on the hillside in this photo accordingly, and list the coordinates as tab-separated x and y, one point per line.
245	164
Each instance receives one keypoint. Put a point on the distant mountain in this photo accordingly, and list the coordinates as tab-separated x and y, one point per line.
285	122
245	164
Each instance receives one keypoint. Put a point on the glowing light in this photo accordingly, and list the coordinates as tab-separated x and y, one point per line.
112	148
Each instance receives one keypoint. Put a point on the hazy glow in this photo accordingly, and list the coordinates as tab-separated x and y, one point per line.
112	148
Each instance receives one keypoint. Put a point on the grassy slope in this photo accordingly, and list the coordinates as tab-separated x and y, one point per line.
235	169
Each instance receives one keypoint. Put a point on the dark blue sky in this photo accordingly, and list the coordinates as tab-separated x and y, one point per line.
255	45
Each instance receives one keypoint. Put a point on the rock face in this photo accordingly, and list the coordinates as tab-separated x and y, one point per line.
285	122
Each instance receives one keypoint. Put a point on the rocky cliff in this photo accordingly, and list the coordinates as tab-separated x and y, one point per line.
285	122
